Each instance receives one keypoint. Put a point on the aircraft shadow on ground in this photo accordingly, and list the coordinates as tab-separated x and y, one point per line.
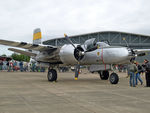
80	81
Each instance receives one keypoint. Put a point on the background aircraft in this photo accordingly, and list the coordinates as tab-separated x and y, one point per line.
91	52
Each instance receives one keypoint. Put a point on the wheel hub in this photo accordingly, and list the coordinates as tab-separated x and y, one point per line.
112	78
50	75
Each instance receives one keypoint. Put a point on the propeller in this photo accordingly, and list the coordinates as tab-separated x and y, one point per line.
79	53
129	49
69	40
132	52
78	50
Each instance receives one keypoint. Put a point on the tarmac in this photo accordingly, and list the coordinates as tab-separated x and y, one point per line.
30	92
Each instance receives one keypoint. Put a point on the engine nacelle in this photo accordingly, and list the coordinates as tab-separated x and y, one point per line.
67	55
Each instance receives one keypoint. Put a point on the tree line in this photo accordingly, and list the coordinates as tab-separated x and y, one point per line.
19	57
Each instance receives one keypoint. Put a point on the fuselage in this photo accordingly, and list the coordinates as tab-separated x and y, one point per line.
107	55
101	55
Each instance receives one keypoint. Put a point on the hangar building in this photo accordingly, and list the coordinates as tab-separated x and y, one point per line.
115	38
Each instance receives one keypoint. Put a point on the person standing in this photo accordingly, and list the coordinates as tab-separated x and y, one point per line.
10	65
132	70
33	66
21	66
138	73
1	65
7	66
147	72
25	66
15	66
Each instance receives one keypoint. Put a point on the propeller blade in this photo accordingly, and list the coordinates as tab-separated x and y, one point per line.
77	69
69	40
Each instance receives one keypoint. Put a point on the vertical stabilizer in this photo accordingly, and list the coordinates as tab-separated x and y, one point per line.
37	36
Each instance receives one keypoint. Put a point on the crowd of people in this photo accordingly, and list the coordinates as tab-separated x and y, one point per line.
135	70
20	66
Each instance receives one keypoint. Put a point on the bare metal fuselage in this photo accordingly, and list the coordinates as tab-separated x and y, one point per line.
102	55
107	55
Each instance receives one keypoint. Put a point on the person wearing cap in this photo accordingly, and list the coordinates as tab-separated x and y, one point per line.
147	72
132	69
137	76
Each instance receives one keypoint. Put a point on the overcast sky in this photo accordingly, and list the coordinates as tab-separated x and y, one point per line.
18	18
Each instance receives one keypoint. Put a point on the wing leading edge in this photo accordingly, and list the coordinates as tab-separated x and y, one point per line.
137	51
22	52
24	45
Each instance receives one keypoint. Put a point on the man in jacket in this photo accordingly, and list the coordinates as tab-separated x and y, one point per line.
138	73
147	72
132	70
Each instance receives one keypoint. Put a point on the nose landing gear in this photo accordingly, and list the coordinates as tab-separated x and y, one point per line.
114	79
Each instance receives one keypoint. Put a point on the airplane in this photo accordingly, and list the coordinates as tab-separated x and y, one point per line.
91	52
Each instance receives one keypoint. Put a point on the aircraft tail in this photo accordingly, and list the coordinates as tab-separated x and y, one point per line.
37	36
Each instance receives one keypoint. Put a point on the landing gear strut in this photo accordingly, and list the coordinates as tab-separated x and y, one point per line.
52	75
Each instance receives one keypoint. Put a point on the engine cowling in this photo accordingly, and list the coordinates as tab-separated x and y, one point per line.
70	55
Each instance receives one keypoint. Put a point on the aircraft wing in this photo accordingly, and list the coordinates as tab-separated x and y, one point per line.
141	50
22	52
25	45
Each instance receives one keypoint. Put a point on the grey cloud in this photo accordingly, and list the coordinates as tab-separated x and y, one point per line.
56	17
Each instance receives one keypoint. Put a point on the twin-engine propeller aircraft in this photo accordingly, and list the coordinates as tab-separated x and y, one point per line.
89	53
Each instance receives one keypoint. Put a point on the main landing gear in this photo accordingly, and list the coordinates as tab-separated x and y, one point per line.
52	75
113	78
104	75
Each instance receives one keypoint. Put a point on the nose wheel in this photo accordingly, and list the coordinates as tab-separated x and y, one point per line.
114	79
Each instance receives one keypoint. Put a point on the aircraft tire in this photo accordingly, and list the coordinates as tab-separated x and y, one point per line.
104	75
114	79
52	75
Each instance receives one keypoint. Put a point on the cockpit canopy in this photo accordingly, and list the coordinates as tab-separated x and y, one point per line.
91	44
88	44
101	44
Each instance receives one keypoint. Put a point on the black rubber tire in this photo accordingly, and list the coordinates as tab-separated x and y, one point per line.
104	75
52	75
114	78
